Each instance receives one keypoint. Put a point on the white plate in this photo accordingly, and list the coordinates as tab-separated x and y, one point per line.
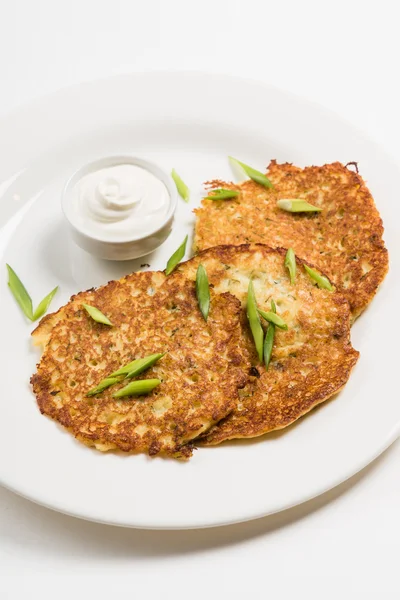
190	122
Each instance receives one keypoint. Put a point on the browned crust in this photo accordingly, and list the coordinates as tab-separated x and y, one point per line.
345	240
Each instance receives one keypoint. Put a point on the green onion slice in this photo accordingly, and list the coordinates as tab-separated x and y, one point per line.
44	304
203	291
20	293
322	281
182	188
290	264
103	385
176	257
269	337
255	175
269	344
142	364
272	317
222	194
296	205
137	366
254	320
96	314
137	388
23	298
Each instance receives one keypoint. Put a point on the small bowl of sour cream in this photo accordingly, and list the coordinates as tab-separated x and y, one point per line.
120	207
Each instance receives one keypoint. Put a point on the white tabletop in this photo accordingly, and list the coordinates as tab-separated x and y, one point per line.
344	54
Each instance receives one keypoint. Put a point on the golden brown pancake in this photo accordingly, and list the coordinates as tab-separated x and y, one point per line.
344	240
204	365
310	362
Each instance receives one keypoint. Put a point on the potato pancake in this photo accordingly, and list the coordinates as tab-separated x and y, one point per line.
204	364
344	240
310	361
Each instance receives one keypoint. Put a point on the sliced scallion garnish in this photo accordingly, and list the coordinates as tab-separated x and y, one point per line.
269	344
176	257
97	315
137	366
322	281
272	317
222	194
44	304
254	320
297	205
142	364
203	291
103	385
23	298
20	293
182	188
269	338
255	175
137	388
290	264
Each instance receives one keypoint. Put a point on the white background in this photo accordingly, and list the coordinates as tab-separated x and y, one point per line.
346	55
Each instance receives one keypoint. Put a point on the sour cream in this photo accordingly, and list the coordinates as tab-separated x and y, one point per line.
119	203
